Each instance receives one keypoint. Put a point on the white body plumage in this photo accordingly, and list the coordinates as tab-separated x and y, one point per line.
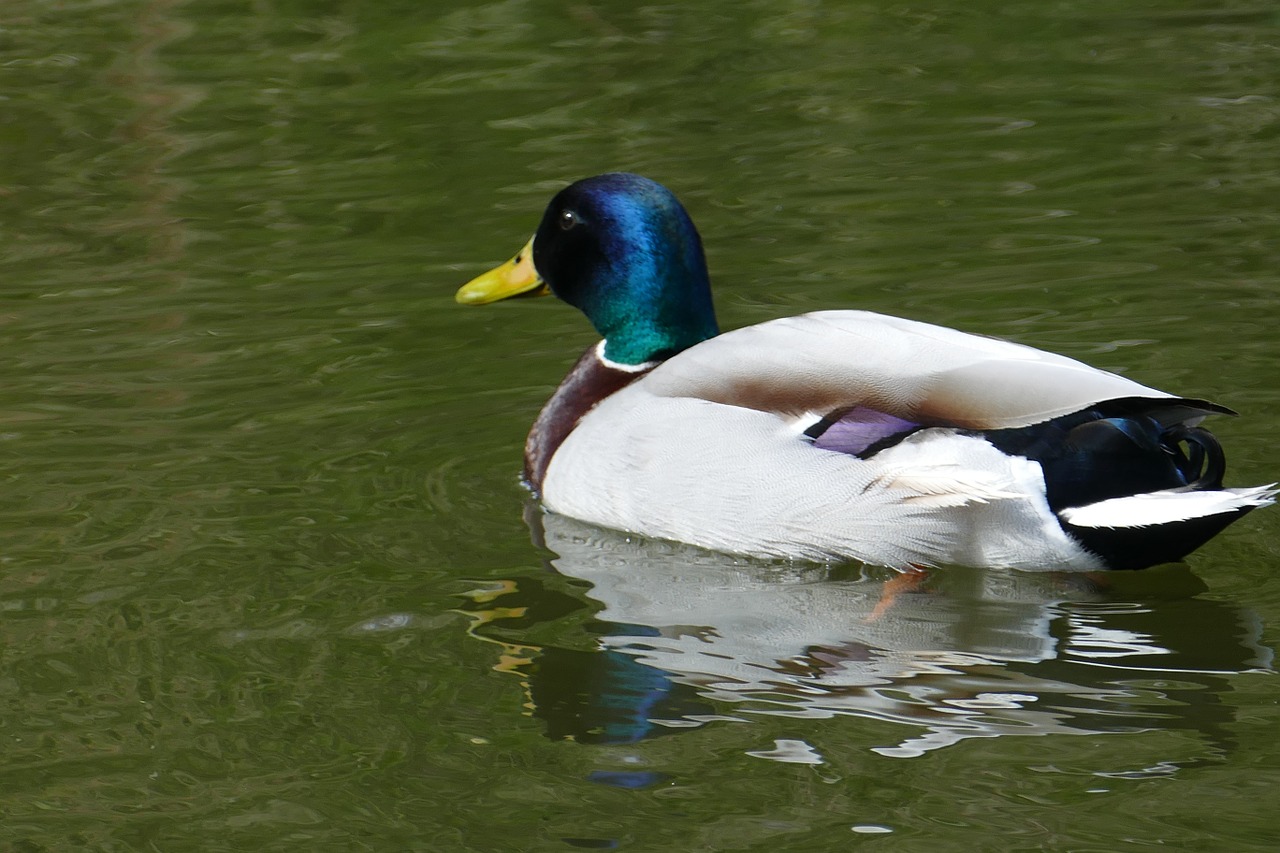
708	448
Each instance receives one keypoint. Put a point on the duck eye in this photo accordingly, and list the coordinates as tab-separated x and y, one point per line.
568	219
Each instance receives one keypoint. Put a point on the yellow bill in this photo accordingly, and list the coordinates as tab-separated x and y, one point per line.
516	277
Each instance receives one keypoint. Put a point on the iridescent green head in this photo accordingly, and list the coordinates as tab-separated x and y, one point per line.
622	250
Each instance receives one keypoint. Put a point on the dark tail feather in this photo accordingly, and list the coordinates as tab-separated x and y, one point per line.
1202	464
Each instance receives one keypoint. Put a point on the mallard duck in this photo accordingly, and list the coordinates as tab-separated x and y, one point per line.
840	435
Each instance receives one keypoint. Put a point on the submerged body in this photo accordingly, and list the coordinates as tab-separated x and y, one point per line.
841	434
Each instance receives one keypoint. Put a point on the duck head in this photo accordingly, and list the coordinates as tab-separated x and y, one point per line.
621	249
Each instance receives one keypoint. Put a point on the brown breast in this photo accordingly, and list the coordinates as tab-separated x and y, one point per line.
589	382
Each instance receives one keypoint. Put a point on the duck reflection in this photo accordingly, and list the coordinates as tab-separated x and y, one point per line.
683	637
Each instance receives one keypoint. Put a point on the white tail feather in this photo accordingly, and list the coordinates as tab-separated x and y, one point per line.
1166	507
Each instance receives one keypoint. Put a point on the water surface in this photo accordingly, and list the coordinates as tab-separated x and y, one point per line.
268	579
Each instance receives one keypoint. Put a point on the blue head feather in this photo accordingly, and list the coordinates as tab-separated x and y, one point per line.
622	249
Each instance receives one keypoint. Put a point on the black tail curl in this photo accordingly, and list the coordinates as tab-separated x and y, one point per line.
1197	455
1119	448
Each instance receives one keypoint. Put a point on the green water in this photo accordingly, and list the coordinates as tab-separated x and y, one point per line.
266	580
